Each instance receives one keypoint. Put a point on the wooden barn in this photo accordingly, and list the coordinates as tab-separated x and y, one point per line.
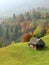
36	44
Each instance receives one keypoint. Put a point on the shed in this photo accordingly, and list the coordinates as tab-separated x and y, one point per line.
36	44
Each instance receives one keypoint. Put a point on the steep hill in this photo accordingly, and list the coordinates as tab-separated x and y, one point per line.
21	54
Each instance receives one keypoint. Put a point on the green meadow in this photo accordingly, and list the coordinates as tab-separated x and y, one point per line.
21	54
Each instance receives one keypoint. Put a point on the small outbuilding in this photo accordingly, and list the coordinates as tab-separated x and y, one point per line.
36	44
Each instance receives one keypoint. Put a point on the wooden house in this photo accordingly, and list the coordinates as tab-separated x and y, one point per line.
36	44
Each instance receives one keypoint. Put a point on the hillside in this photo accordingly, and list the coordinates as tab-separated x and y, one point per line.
21	54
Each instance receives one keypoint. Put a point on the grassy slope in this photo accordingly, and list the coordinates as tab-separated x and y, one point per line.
20	54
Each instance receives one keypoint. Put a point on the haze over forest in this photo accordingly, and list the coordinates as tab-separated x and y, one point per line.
8	7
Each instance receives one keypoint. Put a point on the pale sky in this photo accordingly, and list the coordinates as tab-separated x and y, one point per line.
8	7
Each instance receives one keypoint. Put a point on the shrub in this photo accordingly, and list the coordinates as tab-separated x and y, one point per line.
26	37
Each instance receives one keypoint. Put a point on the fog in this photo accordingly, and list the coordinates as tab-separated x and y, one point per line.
8	7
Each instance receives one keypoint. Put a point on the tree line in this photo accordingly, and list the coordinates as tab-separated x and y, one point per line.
20	28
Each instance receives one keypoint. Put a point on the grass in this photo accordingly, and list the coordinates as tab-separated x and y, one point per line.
21	54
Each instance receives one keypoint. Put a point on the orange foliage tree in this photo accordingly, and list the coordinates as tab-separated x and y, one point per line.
26	37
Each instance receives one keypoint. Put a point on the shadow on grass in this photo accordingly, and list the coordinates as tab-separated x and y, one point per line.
46	48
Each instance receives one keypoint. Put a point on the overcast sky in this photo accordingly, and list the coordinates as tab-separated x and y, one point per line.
8	7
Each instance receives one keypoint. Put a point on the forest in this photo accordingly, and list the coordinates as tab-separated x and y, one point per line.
24	27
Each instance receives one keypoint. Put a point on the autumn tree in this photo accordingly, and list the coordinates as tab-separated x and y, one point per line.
26	37
20	18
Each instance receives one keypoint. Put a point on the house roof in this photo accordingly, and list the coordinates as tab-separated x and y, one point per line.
35	41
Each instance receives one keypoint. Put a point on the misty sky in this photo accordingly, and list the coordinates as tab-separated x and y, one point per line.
8	7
